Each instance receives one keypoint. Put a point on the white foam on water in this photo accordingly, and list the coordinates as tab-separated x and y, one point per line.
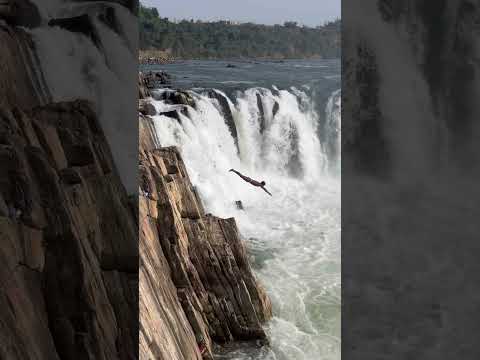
294	236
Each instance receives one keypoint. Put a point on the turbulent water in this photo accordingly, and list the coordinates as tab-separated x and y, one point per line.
288	136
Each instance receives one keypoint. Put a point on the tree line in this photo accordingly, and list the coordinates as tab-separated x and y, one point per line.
189	39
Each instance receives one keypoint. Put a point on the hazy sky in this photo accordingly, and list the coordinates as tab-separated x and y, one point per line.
308	12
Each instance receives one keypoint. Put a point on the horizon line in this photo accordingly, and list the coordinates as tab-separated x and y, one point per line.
241	22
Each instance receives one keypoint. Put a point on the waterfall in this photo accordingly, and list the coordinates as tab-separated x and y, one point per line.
333	127
294	236
259	131
99	65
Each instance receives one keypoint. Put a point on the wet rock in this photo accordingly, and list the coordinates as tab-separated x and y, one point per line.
239	205
156	80
261	113
177	97
276	108
78	24
20	13
227	114
171	114
183	98
147	108
143	90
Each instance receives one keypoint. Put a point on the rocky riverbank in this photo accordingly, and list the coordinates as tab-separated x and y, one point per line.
67	228
196	284
69	237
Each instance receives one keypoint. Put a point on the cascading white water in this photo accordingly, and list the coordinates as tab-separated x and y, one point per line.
75	67
333	128
294	236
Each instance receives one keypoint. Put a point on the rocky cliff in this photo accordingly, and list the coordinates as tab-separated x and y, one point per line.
69	236
196	284
68	232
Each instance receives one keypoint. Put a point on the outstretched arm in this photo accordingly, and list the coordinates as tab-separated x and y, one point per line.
268	192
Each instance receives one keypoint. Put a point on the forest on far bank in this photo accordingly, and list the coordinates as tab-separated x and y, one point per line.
189	39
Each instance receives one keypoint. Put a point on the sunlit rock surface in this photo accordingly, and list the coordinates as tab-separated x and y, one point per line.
196	284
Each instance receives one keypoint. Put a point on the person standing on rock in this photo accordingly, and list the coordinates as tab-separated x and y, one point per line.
260	184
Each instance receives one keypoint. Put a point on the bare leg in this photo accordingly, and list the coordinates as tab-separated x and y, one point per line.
268	192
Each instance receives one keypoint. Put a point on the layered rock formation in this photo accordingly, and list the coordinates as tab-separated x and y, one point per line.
196	284
69	238
68	233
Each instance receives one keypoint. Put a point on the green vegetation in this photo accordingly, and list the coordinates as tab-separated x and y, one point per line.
190	39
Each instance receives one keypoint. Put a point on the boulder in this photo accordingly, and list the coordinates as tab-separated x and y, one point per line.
239	205
171	114
182	98
156	80
147	108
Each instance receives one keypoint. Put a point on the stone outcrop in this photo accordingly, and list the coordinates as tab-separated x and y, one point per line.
68	233
156	80
69	242
196	284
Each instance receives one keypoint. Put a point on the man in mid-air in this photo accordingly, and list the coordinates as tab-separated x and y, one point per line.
251	181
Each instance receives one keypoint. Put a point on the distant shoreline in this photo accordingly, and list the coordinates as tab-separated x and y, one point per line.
226	39
144	59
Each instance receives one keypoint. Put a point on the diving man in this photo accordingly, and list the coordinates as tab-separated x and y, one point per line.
251	181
